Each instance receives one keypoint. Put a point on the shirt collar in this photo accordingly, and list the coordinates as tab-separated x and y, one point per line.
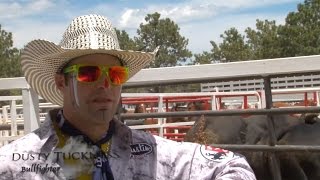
67	128
121	138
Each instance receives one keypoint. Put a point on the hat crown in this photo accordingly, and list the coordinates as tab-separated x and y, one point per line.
90	32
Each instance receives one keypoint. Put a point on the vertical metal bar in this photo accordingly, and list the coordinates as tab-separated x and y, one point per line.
119	111
263	99
161	121
30	110
13	113
214	102
314	97
5	114
245	102
6	117
273	161
1	142
6	121
305	102
152	110
1	116
259	99
167	105
1	122
317	98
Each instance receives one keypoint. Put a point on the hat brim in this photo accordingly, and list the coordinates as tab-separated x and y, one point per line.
41	60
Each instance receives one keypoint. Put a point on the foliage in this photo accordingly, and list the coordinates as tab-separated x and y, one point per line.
204	58
263	42
9	62
164	33
233	47
9	56
125	42
299	36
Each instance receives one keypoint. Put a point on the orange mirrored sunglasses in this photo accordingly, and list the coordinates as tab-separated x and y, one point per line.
91	73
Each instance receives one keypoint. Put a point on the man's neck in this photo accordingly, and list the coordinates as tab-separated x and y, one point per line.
94	131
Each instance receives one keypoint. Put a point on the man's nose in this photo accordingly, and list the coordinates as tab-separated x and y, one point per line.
103	82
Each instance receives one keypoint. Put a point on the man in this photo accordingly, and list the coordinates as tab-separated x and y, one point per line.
84	140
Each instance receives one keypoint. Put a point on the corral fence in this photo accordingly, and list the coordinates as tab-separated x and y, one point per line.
260	69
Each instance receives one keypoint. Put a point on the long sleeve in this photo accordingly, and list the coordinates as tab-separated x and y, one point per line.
235	169
5	173
219	164
188	161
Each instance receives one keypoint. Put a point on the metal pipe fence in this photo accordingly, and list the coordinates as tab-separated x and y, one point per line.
262	69
272	111
267	148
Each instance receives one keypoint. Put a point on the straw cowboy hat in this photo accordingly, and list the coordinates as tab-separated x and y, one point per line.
88	34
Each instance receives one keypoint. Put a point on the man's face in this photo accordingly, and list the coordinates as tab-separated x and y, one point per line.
98	101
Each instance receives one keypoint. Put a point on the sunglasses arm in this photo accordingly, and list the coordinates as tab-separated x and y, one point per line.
74	91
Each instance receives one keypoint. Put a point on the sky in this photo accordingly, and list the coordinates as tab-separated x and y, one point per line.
200	21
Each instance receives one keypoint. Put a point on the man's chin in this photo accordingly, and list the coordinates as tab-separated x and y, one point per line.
102	105
103	115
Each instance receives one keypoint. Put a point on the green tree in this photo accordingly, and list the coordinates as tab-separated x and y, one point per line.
300	34
164	33
203	58
259	43
264	41
233	47
9	56
214	56
125	42
9	61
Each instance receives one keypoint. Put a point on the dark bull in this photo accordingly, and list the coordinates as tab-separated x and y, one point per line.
254	130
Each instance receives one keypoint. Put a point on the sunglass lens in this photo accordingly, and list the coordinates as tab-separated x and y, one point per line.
118	75
89	73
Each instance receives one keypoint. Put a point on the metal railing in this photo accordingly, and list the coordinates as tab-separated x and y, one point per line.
262	69
290	82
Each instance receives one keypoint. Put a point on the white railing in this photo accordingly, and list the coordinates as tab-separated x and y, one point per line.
291	82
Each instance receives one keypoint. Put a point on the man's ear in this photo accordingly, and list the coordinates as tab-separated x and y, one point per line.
60	81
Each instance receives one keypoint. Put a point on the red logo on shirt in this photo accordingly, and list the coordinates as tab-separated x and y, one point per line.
215	154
